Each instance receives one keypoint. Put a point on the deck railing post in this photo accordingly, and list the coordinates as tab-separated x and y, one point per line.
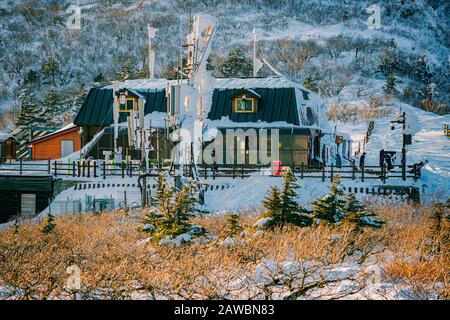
104	169
73	169
353	170
89	168
84	168
323	173
234	171
332	172
242	172
95	169
362	173
131	169
303	170
123	169
55	164
49	167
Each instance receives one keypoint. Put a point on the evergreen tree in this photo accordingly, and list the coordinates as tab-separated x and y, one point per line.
29	109
50	224
172	215
237	65
31	79
50	69
127	70
387	62
422	71
51	106
282	207
389	87
81	97
357	214
233	226
330	208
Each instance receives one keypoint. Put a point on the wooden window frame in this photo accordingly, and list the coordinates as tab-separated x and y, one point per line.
235	104
126	103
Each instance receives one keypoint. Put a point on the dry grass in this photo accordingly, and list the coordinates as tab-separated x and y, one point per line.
116	265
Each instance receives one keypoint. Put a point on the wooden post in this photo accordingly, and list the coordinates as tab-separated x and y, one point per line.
95	169
303	169
214	173
353	170
332	172
89	168
79	168
323	172
362	173
104	169
49	169
131	169
293	167
73	169
234	171
383	173
242	172
84	168
55	164
123	169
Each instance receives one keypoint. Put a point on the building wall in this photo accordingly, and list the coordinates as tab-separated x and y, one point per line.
51	148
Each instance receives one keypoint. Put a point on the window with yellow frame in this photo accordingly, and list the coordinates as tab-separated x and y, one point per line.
129	105
243	104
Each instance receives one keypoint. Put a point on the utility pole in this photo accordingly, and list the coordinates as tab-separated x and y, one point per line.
406	140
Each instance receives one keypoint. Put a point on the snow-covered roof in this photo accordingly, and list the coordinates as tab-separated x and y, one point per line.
5	136
220	83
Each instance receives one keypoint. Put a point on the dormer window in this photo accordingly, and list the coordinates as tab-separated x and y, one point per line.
129	100
244	103
127	105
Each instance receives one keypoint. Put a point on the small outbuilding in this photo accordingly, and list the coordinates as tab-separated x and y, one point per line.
8	147
56	145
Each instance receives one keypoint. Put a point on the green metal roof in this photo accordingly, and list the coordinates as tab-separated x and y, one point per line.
274	104
97	108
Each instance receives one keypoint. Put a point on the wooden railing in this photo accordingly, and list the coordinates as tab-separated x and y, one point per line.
102	169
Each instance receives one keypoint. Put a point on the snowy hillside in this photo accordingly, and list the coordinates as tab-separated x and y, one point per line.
307	39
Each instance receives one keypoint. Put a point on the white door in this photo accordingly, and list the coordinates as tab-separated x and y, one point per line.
66	148
28	203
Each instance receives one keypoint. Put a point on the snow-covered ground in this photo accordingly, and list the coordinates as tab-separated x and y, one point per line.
429	143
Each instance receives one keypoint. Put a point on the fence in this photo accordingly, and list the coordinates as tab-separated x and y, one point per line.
325	173
101	169
87	169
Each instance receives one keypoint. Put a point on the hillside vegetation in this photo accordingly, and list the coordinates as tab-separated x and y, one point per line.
324	44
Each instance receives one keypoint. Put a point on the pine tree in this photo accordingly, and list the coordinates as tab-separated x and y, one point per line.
357	214
51	106
50	69
389	87
50	224
127	70
387	63
29	109
330	208
237	65
282	207
233	226
172	215
422	71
